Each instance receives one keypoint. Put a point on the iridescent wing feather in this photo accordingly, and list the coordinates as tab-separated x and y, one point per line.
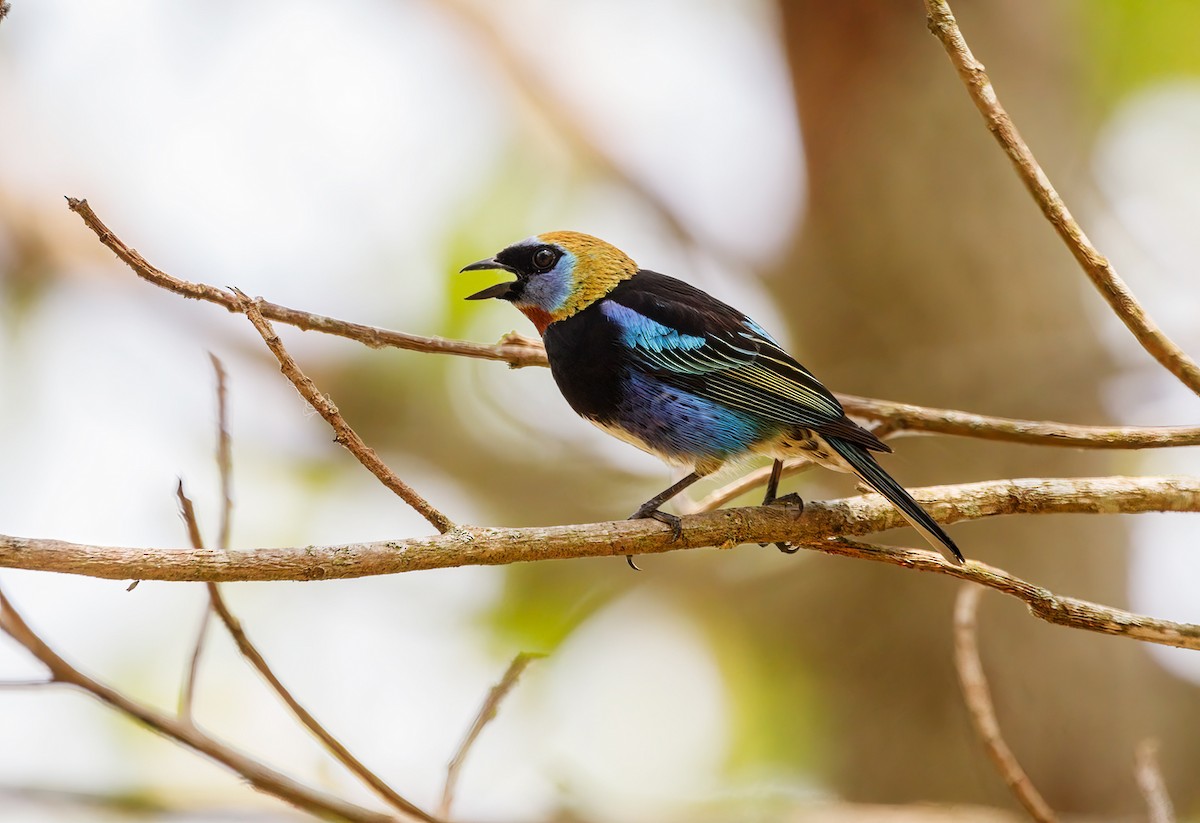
691	340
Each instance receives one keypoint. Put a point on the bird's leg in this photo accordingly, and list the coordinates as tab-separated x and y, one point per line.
649	510
773	482
770	499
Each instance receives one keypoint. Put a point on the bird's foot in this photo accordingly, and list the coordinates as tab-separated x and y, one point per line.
788	501
651	513
662	517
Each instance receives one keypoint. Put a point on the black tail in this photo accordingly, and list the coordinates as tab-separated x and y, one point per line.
875	477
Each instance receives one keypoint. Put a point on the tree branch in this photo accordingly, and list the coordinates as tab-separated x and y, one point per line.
904	417
1095	265
216	604
331	743
260	776
476	546
486	714
978	698
224	453
725	528
344	434
17	685
521	352
187	694
188	511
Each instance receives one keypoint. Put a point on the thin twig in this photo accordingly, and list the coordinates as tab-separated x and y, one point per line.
224	453
814	528
1150	781
487	713
905	417
1095	265
187	694
978	698
216	603
344	434
335	746
187	512
257	774
25	684
224	464
519	352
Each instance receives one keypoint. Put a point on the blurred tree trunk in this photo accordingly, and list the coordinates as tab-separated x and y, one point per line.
924	272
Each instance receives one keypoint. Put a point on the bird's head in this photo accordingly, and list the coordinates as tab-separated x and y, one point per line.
558	274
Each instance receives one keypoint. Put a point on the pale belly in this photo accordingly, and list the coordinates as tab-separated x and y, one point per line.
800	443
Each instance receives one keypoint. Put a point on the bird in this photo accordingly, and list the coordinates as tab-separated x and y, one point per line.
672	370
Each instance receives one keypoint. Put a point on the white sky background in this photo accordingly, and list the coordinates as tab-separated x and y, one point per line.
319	154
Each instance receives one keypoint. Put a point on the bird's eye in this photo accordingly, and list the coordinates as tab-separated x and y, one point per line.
544	258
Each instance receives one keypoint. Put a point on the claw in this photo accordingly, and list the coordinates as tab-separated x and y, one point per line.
662	517
789	501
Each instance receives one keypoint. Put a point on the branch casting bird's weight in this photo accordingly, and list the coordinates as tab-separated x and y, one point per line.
677	373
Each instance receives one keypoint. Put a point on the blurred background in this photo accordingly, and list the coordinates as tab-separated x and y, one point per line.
816	164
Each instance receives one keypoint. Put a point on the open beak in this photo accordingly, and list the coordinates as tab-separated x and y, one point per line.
498	290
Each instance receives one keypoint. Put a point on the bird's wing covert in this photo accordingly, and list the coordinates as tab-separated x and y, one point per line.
691	340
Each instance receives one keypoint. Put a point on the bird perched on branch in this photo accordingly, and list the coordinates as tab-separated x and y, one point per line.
674	371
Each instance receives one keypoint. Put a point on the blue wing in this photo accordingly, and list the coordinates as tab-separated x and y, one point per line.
690	340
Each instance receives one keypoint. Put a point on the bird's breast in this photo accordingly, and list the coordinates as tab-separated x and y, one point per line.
587	363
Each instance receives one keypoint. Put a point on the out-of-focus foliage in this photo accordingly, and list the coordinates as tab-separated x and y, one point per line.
1130	44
